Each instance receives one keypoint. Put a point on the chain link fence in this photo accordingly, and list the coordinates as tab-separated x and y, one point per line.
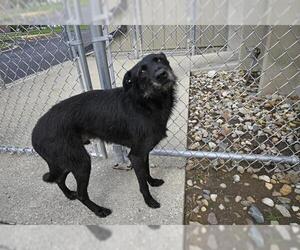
38	68
237	96
238	92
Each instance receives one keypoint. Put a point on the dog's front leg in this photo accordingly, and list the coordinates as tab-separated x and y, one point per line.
152	181
140	169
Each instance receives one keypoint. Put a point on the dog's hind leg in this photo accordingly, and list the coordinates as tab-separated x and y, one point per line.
58	175
152	181
81	173
61	182
139	165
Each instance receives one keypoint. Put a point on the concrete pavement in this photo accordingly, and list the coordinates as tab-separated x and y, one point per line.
26	199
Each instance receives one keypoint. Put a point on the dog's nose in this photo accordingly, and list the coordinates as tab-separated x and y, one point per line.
161	75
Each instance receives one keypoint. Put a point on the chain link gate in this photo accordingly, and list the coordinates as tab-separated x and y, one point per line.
39	66
237	97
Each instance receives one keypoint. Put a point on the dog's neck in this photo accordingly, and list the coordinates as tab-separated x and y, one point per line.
154	102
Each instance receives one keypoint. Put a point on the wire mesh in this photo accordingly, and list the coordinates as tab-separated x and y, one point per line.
238	91
37	71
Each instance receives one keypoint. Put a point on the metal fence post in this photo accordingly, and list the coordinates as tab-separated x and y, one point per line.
99	44
2	84
87	83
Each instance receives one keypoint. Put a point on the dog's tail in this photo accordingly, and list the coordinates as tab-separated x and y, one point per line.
48	177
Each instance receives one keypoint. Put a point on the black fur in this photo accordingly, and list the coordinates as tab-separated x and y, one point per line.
134	116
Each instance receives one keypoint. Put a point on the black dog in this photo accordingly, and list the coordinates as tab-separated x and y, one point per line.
134	116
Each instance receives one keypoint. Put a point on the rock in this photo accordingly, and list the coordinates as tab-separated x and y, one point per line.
189	183
237	198
251	199
283	210
204	202
273	181
212	145
211	73
246	184
297	197
212	219
240	169
275	193
223	185
254	176
284	200
205	196
196	210
205	191
285	189
203	209
198	138
195	146
250	170
267	201
221	207
255	213
213	197
236	178
204	133
264	178
269	185
295	208
297	190
246	203
226	199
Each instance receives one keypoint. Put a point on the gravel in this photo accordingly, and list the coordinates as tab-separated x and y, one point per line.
236	178
283	210
264	178
228	114
212	219
268	201
256	214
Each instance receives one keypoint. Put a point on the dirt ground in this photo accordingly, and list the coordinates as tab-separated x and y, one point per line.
234	212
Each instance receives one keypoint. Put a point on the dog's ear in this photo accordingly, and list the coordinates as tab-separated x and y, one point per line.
164	55
165	58
127	80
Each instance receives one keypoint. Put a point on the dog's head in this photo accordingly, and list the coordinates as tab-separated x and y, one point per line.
151	76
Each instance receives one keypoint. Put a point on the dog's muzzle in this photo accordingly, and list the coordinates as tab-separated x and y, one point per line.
161	75
164	76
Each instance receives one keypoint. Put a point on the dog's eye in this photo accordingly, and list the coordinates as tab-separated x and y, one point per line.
157	60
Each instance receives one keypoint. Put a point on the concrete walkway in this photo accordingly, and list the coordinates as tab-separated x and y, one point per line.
91	237
26	199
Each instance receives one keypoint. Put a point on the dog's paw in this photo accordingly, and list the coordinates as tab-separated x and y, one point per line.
102	212
152	203
156	182
72	195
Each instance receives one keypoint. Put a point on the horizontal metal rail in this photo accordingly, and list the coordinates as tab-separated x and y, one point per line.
31	151
186	154
227	156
